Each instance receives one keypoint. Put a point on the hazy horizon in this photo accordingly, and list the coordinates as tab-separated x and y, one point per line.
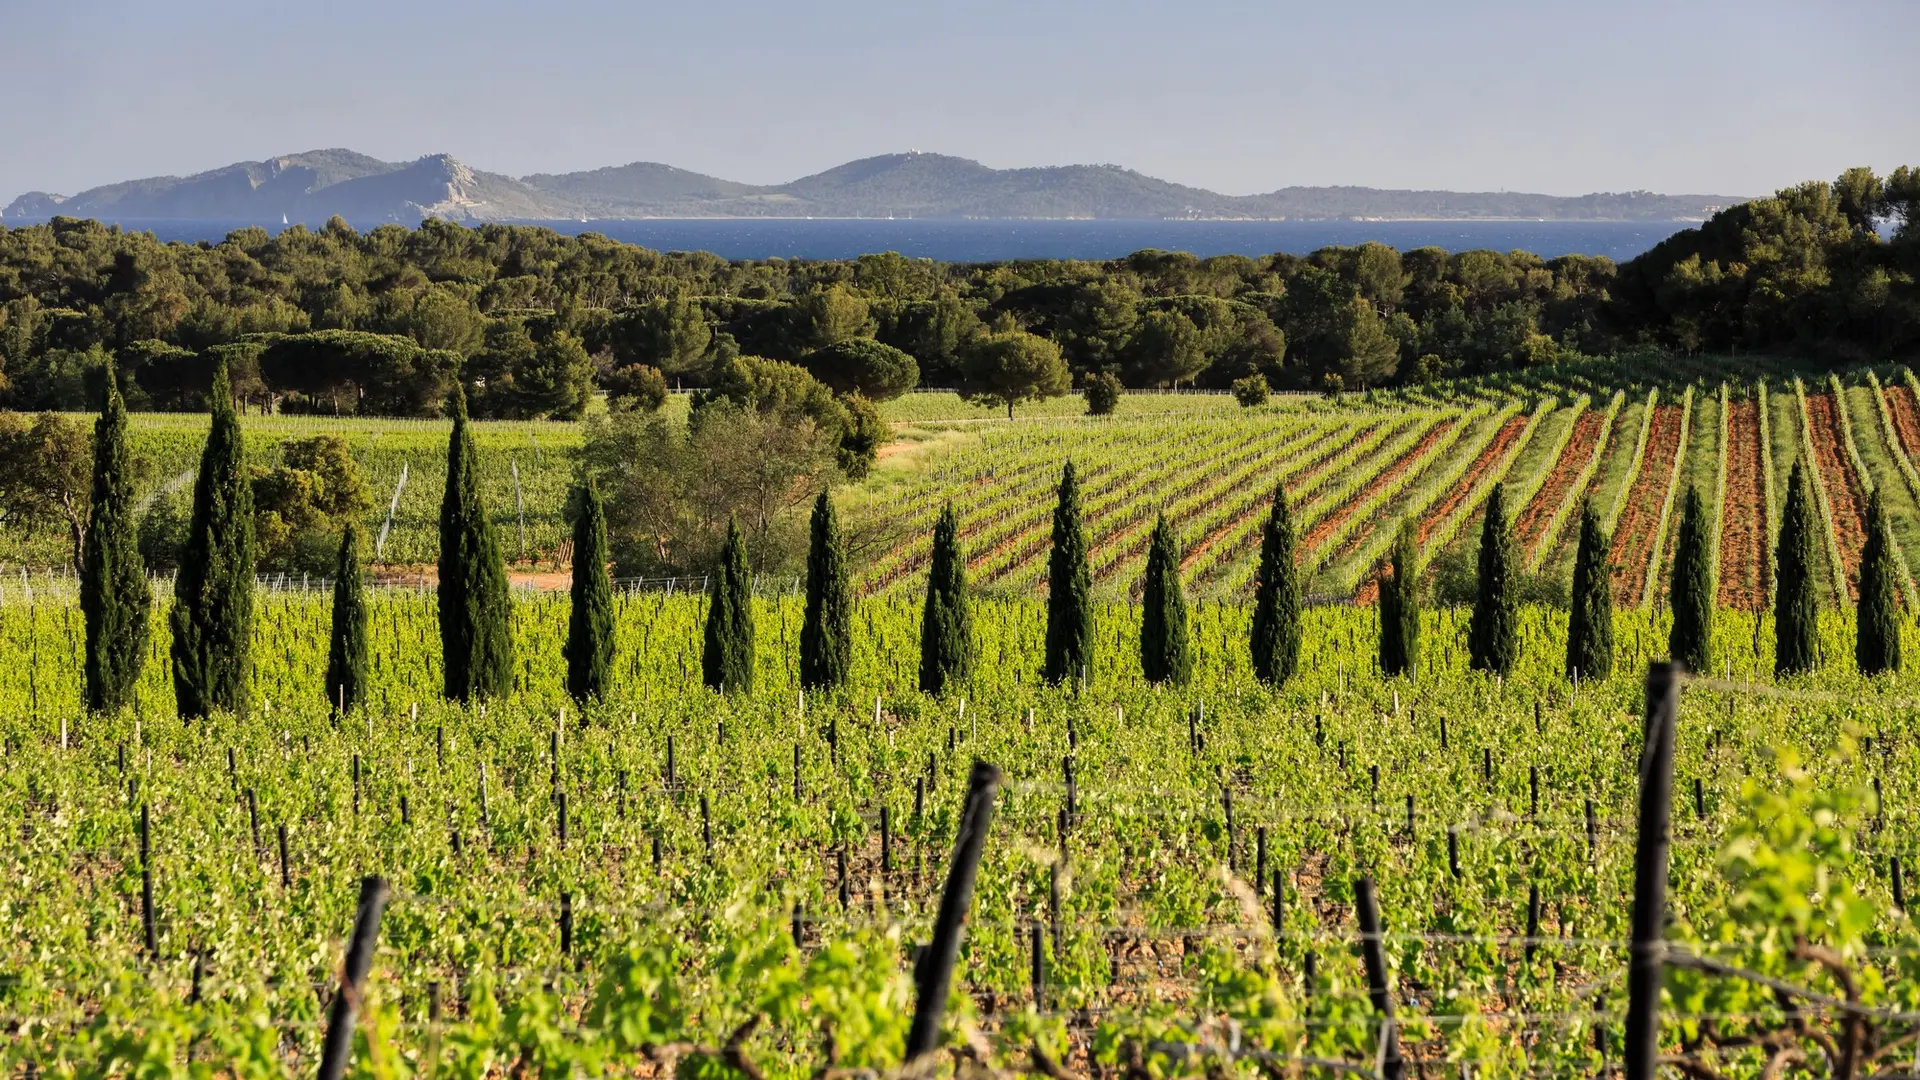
1712	97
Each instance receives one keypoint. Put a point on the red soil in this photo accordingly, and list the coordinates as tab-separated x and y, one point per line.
1846	498
1339	515
1116	548
1489	457
1306	478
1532	527
1743	519
1906	418
1640	516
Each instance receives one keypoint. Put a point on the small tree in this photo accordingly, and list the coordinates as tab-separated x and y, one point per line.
1165	655
590	627
1276	599
1796	604
1493	634
1013	366
475	602
1690	642
1590	627
946	624
826	636
1877	642
212	616
727	662
1103	393
1399	605
347	645
1069	590
1252	391
114	596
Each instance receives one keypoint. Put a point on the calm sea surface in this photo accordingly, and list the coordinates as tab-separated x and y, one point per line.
982	241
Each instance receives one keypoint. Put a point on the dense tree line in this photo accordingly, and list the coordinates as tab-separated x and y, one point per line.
532	322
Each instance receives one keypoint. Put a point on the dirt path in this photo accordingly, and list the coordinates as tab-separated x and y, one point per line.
1489	457
1640	515
1743	519
1846	498
1579	450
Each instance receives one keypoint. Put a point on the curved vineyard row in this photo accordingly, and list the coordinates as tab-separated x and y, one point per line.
1745	537
1842	497
1637	525
1540	521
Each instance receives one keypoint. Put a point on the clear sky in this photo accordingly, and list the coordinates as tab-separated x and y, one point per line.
1559	96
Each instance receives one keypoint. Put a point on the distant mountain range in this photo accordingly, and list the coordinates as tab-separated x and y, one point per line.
320	184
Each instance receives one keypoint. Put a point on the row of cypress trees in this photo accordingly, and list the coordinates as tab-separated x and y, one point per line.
211	615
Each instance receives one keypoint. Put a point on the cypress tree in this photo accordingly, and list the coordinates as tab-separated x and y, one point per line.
590	617
946	624
1069	588
1590	627
1164	653
212	616
826	636
1276	599
1399	605
347	651
727	662
1877	643
476	606
114	596
1690	641
1796	604
1493	640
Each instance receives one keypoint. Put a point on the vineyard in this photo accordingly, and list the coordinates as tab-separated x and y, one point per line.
1347	875
1169	873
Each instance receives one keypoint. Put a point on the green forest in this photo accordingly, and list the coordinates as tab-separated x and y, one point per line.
536	324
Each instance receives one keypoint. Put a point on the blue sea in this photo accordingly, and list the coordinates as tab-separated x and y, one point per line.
988	241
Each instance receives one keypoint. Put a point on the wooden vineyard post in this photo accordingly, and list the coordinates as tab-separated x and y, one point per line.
1392	1066
345	1012
146	884
1647	959
934	974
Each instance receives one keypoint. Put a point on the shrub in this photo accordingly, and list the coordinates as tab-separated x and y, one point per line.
1251	392
1103	393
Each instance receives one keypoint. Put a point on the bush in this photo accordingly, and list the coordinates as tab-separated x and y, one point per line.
1251	392
1454	577
636	388
1103	393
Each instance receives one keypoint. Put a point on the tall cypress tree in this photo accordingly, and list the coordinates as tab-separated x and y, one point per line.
590	617
1493	637
1877	644
946	624
114	596
1796	603
347	649
1069	590
826	636
1690	641
727	662
212	616
476	604
1165	655
1276	598
1399	605
1590	627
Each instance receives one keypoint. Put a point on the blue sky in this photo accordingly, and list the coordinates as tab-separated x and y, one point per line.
1709	96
